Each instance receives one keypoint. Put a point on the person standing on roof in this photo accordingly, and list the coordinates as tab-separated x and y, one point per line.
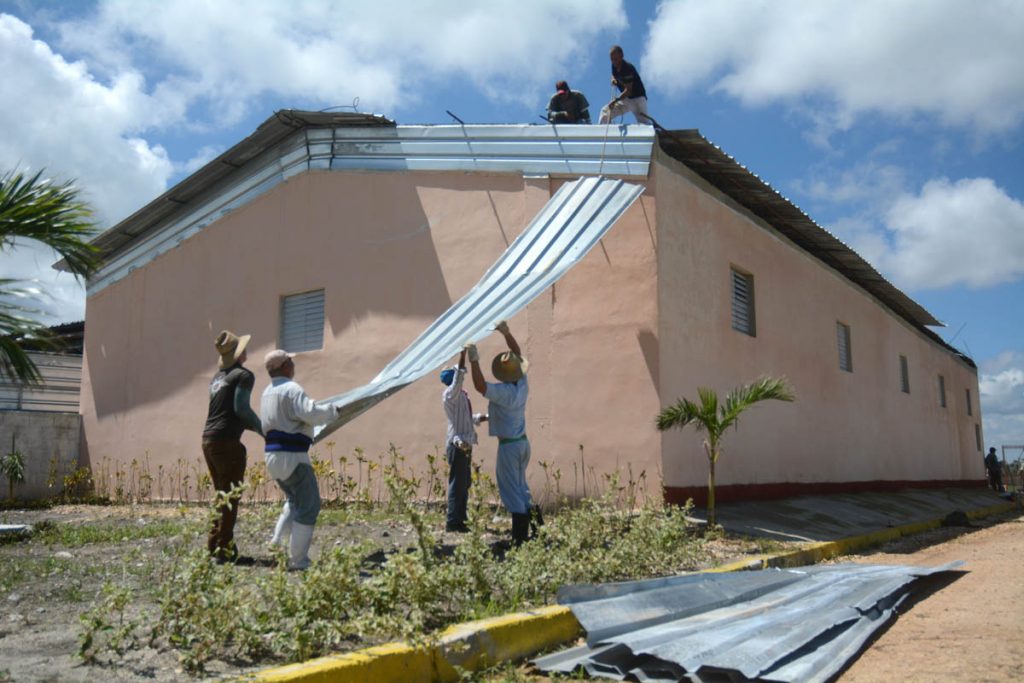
507	418
568	106
632	94
289	416
229	414
459	443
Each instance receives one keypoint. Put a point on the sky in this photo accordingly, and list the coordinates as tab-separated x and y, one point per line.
895	124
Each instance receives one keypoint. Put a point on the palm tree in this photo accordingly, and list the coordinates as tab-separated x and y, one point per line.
708	416
36	208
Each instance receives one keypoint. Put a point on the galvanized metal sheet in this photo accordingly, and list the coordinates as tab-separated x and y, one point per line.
568	226
772	625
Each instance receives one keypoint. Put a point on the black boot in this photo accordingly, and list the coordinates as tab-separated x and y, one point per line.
536	520
520	528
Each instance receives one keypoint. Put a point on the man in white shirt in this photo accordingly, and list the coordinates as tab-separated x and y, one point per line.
459	443
288	416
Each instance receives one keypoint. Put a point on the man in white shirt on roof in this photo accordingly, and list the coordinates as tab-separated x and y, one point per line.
288	416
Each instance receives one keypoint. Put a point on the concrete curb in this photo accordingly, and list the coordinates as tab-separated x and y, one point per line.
480	644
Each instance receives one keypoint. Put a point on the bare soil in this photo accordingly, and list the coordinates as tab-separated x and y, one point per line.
49	580
969	630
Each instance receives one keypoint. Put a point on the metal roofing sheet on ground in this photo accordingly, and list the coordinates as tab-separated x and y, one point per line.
772	625
568	226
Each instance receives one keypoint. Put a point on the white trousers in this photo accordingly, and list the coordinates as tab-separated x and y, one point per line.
637	105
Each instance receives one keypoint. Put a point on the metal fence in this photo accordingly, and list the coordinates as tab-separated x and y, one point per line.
59	391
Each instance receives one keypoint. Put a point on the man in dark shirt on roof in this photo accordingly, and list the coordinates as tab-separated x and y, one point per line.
229	415
568	106
632	94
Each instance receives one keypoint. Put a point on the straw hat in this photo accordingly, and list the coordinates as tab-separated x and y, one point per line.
230	347
508	367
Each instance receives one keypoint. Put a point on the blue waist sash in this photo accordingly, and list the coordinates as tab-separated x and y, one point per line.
285	441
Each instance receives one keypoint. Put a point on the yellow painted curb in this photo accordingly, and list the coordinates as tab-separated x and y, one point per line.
477	645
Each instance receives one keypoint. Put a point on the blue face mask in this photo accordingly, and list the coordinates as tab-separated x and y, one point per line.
447	376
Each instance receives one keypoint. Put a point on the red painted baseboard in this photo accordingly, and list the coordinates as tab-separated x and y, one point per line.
737	492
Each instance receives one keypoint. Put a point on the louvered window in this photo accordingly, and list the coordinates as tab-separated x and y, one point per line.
942	391
743	303
904	376
970	408
302	321
977	435
845	354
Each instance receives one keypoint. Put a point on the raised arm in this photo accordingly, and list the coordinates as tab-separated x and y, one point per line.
479	383
513	345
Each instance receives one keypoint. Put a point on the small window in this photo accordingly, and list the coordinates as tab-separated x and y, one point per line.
302	321
743	303
970	408
977	435
845	354
942	391
904	376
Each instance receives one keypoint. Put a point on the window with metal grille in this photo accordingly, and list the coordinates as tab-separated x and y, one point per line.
977	435
942	391
904	376
970	409
743	303
302	321
845	353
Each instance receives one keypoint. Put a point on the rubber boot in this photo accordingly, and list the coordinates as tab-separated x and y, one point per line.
283	529
298	551
536	520
520	528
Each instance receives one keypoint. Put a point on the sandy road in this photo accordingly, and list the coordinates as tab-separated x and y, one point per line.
970	630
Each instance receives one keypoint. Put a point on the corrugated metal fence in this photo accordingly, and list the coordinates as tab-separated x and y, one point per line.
59	392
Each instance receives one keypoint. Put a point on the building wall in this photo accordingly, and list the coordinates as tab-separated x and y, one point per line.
392	251
845	429
48	442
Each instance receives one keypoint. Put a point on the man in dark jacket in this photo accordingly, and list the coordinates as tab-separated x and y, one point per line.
568	106
229	415
632	94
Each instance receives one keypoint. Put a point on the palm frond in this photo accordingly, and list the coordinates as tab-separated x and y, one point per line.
20	329
741	398
679	415
35	208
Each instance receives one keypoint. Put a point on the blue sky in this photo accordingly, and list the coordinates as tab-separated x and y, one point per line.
895	125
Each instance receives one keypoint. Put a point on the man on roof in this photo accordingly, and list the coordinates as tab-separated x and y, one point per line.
568	106
632	94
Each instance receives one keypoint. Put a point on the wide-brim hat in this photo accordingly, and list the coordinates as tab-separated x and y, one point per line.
508	367
230	347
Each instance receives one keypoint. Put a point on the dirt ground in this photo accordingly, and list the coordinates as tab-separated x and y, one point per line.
969	630
47	582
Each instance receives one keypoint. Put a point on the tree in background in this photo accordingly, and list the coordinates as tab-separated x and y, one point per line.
37	209
714	418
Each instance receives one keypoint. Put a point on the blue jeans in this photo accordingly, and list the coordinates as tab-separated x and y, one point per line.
303	494
459	477
511	470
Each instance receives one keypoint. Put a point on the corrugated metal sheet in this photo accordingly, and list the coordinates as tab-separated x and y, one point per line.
772	625
568	226
291	142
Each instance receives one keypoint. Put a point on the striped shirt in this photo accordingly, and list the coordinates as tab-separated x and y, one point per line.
458	410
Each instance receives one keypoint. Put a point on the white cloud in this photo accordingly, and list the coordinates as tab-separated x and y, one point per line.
55	115
387	54
1001	383
959	61
965	232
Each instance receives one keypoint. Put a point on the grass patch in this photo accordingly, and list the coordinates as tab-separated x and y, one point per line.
78	535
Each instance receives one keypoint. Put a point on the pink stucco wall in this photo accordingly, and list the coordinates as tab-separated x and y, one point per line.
844	427
392	251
